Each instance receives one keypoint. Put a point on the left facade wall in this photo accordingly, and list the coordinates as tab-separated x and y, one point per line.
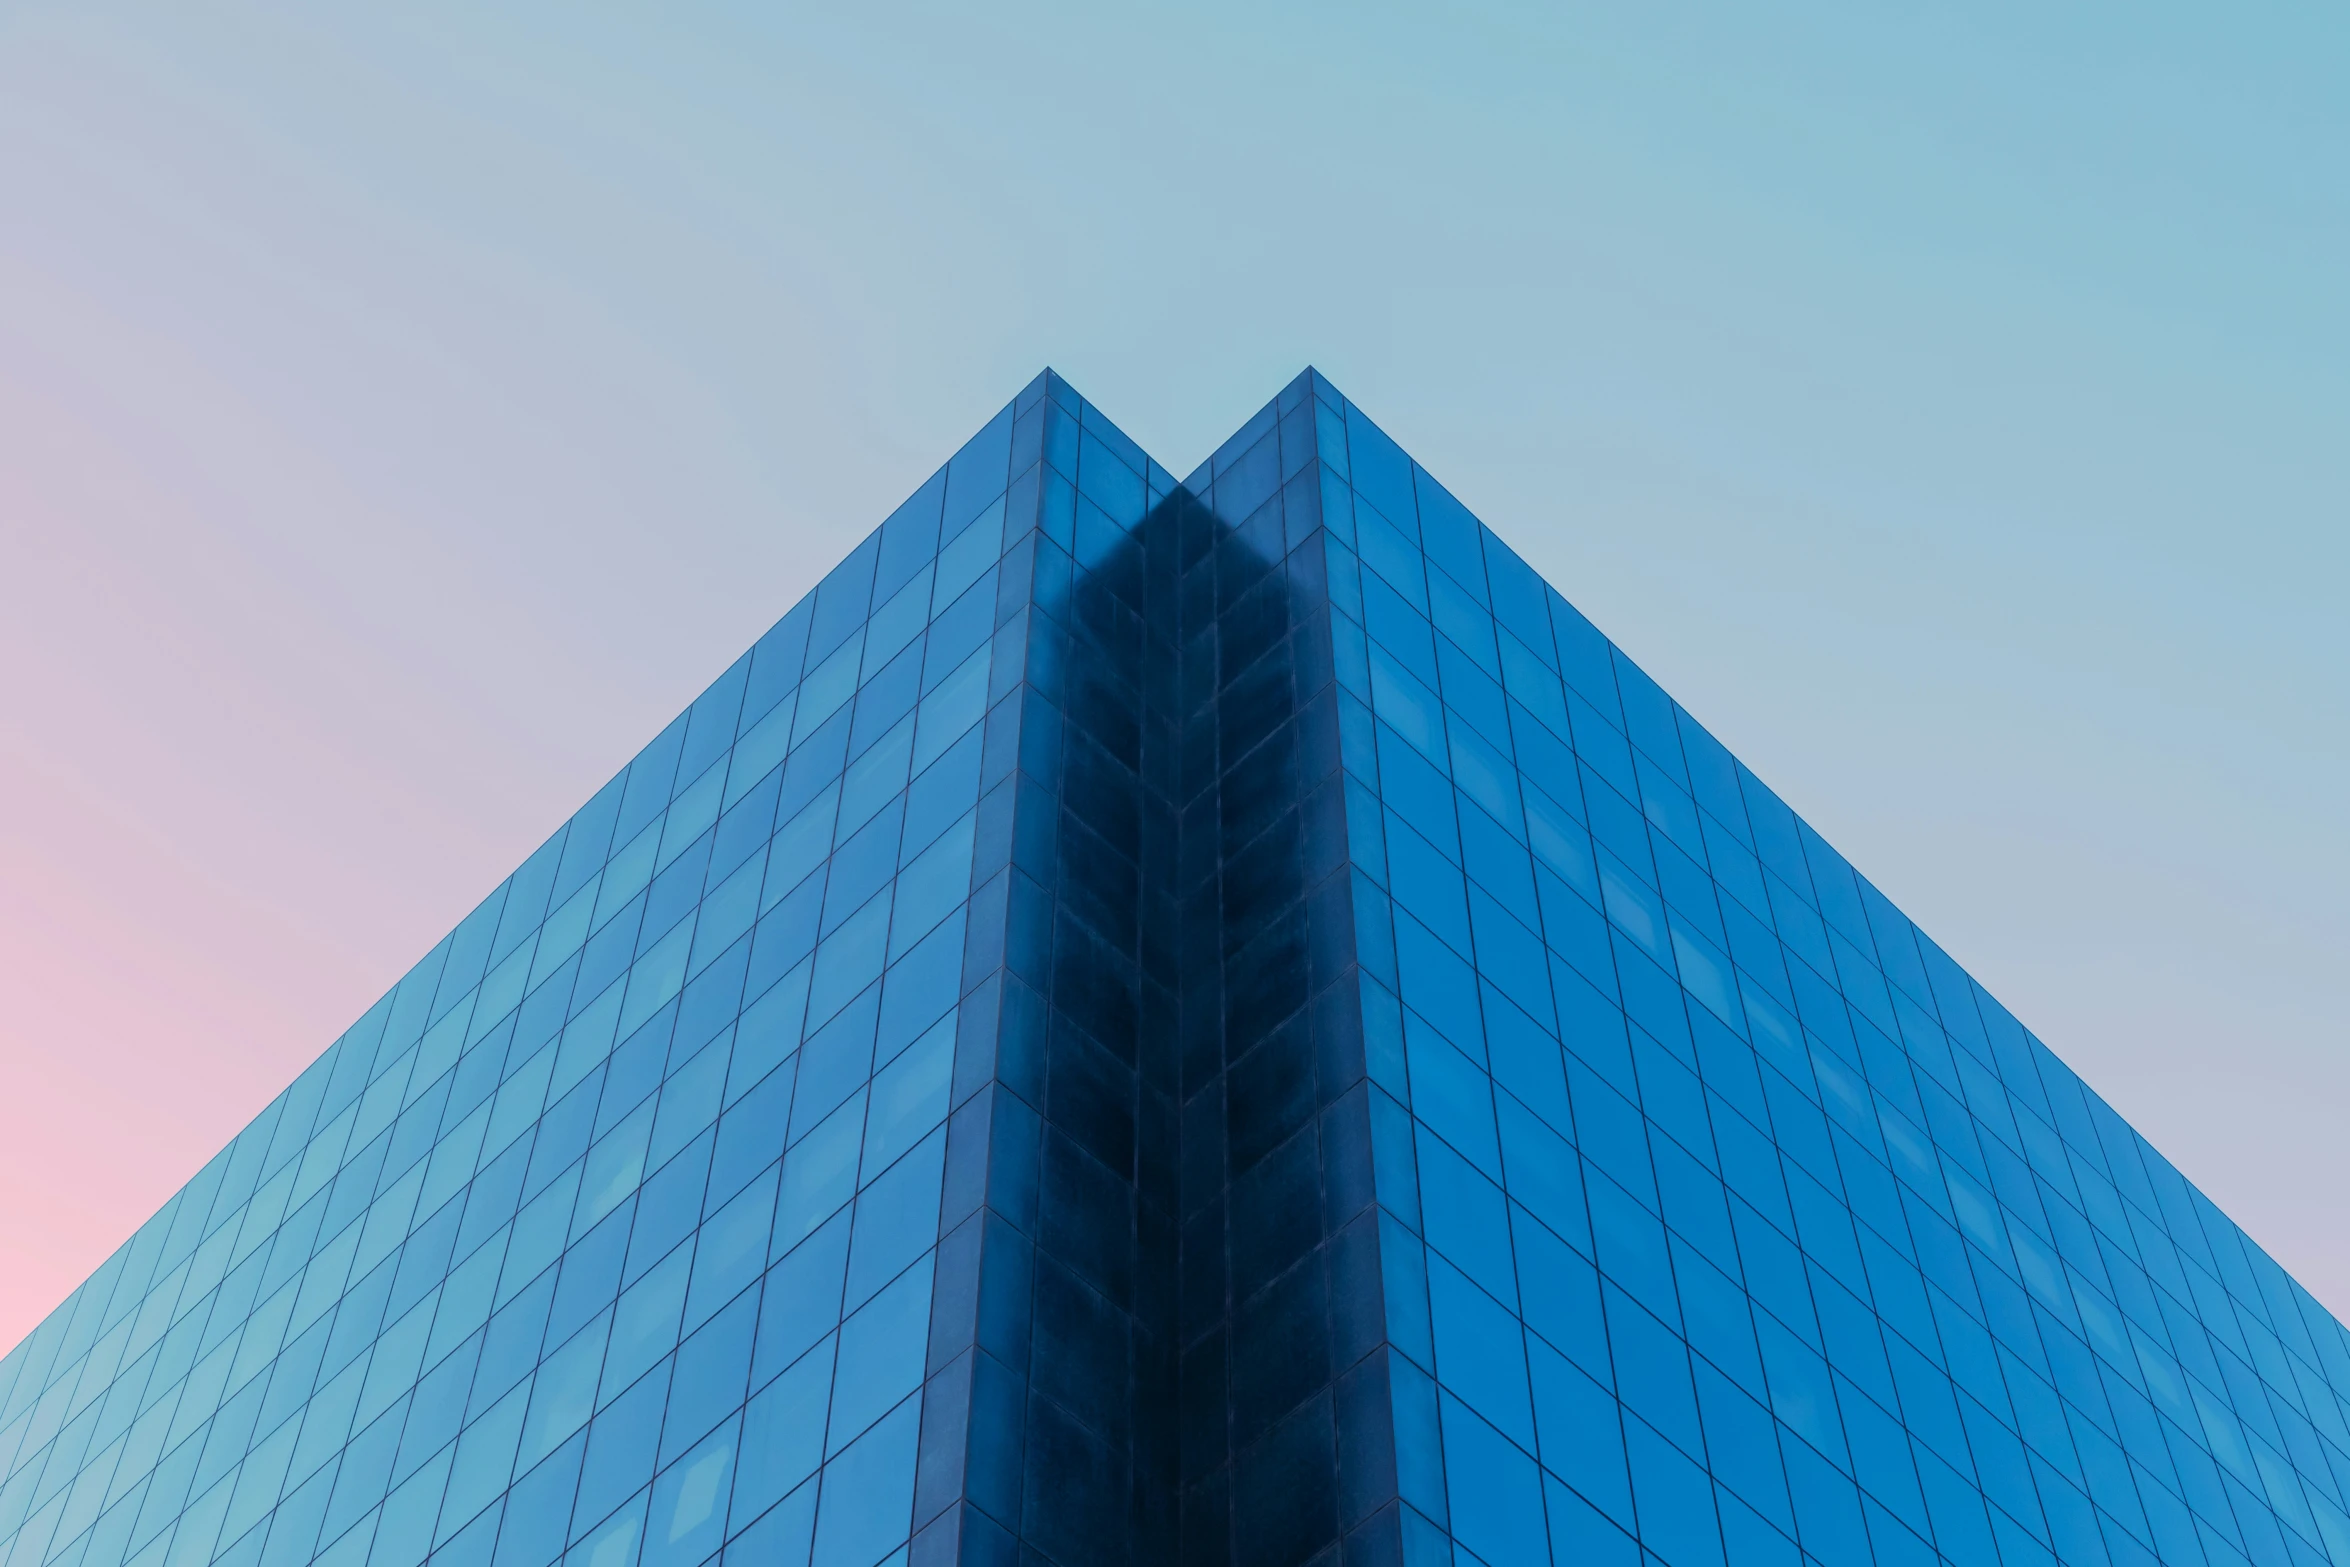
611	1234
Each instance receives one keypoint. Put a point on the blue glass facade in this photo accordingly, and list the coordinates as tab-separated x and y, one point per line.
1207	1023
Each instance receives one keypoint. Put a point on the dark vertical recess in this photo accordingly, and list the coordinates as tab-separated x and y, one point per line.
1158	1302
1279	1315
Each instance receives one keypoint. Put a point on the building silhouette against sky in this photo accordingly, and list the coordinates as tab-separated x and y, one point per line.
1195	1023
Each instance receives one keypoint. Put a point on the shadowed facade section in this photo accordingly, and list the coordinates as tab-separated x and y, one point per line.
1181	1259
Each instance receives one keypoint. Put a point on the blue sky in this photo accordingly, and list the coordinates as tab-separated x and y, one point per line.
403	412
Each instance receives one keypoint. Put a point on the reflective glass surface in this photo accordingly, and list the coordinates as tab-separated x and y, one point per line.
1724	1219
611	1234
1218	1023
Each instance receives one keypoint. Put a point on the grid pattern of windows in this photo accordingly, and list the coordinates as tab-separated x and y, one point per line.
609	1235
1054	1371
1278	1252
1220	1023
1725	1220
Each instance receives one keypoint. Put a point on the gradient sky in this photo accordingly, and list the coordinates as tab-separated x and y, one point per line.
405	410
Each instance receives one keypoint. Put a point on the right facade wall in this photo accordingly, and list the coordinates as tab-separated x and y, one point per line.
1720	1217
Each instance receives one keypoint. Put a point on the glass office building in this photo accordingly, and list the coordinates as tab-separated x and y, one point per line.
1213	1023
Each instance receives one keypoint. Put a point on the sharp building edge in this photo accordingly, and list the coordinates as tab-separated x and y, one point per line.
1208	1023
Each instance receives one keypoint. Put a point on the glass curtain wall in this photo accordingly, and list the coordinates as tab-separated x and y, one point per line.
1218	1023
1724	1219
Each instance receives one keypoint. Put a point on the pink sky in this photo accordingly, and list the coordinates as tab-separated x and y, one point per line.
275	709
204	873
